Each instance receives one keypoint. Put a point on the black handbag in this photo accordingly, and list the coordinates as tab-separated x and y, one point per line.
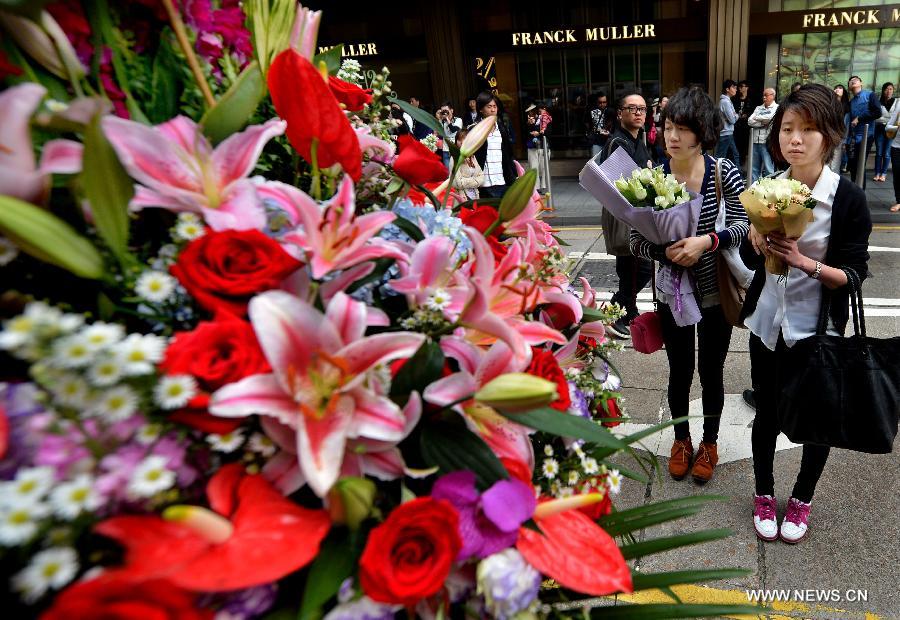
841	392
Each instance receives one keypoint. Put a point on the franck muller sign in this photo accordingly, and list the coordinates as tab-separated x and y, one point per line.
584	35
887	16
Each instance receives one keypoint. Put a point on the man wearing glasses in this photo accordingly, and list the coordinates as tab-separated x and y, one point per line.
633	272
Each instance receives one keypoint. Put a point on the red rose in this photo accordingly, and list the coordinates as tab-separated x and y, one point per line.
612	411
409	556
545	366
481	218
416	164
351	95
109	596
224	269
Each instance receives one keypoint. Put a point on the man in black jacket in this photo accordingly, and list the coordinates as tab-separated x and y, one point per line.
634	273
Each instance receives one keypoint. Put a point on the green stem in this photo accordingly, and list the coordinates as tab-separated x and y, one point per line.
456	165
316	187
450	406
492	227
188	51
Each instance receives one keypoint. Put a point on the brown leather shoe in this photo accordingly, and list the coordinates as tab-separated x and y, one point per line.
705	463
680	461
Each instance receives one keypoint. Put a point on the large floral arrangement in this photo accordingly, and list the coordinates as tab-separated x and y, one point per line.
259	361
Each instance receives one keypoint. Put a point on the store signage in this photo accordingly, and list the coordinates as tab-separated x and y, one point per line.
354	49
845	18
887	16
584	35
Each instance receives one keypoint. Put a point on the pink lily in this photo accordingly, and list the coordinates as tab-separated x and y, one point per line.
478	367
379	150
305	31
432	268
318	385
334	237
19	177
178	169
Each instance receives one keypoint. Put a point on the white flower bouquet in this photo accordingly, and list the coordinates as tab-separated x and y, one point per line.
651	187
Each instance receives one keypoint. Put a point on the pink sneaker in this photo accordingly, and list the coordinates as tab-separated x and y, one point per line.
765	521
795	524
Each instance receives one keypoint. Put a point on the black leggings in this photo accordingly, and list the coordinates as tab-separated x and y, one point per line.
763	368
713	338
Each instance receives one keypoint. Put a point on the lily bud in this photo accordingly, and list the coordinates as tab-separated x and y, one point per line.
517	196
45	42
477	136
350	501
517	391
212	526
306	31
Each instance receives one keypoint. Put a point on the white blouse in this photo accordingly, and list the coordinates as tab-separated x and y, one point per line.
493	163
791	307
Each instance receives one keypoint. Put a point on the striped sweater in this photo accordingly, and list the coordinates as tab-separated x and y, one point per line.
737	226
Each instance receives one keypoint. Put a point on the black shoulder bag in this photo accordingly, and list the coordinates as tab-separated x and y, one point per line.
841	392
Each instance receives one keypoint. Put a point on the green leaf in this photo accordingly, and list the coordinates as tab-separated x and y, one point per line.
420	115
453	447
591	314
381	267
428	195
563	425
634	437
335	562
109	189
561	241
640	511
646	581
628	473
165	81
419	371
658	545
48	238
664	611
332	58
234	108
409	228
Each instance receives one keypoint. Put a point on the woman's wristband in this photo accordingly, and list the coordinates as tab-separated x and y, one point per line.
714	238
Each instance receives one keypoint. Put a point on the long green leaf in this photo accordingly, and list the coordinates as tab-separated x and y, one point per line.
409	228
633	525
335	562
658	545
420	115
557	423
331	57
235	108
453	447
646	581
48	238
634	437
166	84
421	370
664	611
628	473
641	511
109	189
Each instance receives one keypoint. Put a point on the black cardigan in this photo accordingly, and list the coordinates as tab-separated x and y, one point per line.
509	167
848	247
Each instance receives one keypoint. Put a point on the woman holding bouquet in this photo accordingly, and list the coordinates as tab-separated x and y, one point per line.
779	310
691	125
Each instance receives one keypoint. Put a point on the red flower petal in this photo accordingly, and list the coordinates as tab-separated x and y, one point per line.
303	99
416	164
203	421
351	95
4	432
577	553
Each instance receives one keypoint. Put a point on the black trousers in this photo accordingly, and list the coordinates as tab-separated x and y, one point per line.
713	338
634	274
895	167
763	369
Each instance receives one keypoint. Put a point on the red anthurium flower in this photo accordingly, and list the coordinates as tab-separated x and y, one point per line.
252	536
351	95
416	164
612	411
577	553
303	99
544	365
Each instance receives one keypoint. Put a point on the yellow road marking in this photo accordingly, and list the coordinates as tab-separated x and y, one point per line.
885	227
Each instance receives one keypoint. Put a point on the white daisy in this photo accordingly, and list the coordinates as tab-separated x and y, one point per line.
174	391
261	444
116	404
19	524
138	353
105	372
148	433
151	477
187	216
188	231
572	477
102	335
68	323
71	390
615	481
590	466
566	492
155	286
438	300
17	332
8	251
50	569
70	499
226	443
29	486
548	450
550	468
72	352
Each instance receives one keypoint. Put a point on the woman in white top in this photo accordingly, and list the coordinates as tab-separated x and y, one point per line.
495	157
780	311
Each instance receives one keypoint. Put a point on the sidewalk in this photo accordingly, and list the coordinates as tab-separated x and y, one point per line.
575	207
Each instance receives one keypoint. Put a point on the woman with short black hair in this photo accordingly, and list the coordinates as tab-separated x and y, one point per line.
495	157
691	125
780	311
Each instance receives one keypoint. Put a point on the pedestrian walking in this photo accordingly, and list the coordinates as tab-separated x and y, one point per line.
534	144
759	122
419	130
598	124
470	116
882	141
779	311
839	163
891	130
659	144
451	124
469	176
633	272
691	125
743	107
864	110
726	146
495	157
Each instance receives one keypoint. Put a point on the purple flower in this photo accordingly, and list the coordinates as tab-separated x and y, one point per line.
27	423
362	608
242	604
508	583
490	521
580	405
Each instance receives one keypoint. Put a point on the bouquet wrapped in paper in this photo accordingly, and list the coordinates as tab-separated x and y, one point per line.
779	205
659	208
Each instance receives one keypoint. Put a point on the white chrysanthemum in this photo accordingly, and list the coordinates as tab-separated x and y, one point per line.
138	353
19	524
29	486
116	404
550	468
615	481
566	492
69	323
50	569
101	335
71	390
548	450
150	477
572	477
174	391
72	352
148	434
590	466
227	443
188	231
17	332
105	372
8	251
438	300
70	499
260	444
155	286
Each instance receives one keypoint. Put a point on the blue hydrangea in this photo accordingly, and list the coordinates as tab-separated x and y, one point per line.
508	583
580	405
441	222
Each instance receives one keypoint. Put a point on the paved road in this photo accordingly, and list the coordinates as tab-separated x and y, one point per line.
855	521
